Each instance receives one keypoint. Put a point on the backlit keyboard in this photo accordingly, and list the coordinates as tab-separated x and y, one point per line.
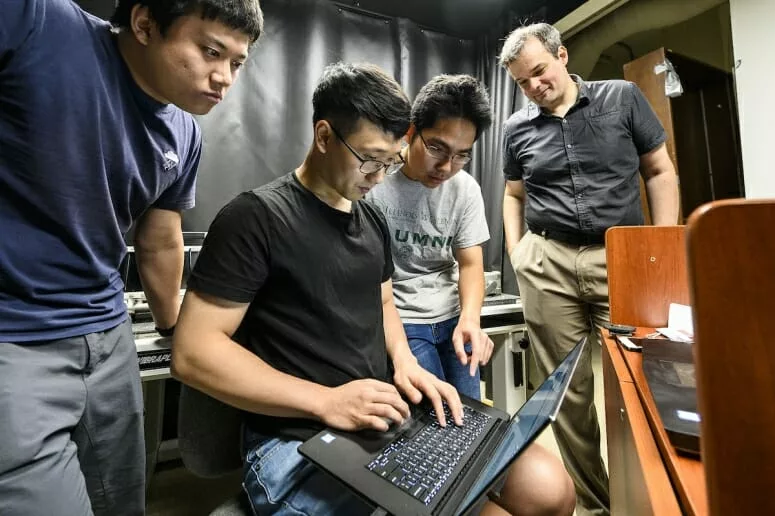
422	464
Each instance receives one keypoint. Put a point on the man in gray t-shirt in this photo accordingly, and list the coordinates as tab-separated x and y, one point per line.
437	225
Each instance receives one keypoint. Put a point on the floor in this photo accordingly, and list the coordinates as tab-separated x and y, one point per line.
176	492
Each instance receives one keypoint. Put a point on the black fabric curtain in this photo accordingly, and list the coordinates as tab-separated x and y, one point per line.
263	128
487	168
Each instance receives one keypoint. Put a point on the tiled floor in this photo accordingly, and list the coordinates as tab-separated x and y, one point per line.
175	492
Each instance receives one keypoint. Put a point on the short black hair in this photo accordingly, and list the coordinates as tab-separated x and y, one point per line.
452	96
242	15
347	93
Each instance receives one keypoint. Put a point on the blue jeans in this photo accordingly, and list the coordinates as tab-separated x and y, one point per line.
432	345
278	480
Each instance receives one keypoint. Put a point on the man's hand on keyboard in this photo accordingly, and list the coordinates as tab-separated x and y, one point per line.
415	382
363	404
469	332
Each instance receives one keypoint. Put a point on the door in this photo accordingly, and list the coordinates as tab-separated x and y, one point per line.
641	72
703	138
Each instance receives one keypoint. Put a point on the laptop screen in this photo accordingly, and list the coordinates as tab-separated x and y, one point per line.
527	423
192	244
131	276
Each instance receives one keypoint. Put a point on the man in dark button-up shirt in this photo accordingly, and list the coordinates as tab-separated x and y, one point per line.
571	161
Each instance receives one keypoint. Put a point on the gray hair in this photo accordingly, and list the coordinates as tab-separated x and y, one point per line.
543	32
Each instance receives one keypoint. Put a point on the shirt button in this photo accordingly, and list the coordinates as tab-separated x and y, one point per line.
564	121
570	146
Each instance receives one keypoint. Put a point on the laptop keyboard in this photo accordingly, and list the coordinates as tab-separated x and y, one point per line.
421	464
497	301
144	329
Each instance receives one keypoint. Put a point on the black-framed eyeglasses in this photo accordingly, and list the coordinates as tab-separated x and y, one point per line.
436	152
371	166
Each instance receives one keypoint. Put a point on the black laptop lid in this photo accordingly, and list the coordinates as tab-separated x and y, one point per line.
535	415
669	370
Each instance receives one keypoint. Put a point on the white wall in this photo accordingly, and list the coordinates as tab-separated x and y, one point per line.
753	42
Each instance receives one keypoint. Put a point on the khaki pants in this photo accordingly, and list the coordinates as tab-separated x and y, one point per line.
564	291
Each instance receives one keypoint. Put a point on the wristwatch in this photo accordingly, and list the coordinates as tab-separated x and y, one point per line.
166	332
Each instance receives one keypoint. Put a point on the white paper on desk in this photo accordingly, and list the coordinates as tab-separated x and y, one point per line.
680	325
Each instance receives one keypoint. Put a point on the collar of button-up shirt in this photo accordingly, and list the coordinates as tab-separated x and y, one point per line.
534	110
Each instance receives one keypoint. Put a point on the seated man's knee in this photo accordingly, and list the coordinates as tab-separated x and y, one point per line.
538	484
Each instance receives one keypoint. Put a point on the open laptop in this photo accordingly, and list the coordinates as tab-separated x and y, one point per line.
669	370
424	469
134	295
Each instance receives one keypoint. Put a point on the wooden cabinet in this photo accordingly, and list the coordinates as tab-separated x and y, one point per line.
619	438
639	484
703	138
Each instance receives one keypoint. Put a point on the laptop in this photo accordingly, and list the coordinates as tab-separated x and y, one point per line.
134	296
500	299
669	370
421	468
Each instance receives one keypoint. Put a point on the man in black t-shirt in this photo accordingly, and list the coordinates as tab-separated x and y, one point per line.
289	312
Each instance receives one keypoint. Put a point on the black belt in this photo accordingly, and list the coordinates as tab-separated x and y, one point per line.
568	237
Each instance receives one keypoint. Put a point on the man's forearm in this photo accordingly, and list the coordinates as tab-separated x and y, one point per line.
513	213
471	291
161	271
662	191
229	372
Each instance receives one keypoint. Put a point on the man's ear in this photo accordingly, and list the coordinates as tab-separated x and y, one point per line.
323	135
562	54
410	133
141	24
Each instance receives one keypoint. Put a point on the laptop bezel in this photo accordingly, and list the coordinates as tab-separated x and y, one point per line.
579	348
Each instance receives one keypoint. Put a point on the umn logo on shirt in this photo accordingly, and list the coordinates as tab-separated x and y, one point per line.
171	160
422	239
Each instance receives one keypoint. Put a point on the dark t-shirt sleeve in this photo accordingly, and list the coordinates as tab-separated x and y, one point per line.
234	261
387	271
17	22
181	194
647	130
511	167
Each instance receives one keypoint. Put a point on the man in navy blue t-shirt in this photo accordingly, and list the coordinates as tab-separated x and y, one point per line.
95	135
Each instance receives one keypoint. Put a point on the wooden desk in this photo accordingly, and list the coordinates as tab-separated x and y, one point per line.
646	475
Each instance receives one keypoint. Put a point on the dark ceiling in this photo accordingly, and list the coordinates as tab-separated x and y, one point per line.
464	18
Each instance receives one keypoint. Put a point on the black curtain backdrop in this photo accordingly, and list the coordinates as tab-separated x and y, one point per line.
263	128
487	168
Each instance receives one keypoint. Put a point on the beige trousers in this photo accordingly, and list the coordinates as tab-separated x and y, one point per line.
564	291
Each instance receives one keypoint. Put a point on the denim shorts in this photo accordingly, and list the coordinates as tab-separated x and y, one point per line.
278	480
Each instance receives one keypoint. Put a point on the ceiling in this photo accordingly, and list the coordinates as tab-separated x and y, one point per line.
464	18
